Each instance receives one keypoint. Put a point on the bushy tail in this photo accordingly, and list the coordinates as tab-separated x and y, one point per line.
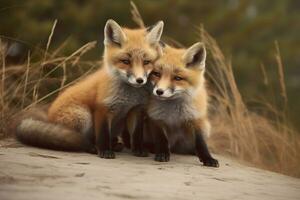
32	128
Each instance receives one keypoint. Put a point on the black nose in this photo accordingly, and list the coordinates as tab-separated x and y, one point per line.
159	92
139	80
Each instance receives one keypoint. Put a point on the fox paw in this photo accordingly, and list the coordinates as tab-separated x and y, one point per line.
210	162
107	154
140	152
162	157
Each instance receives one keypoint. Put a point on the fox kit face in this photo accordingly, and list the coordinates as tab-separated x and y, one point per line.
179	72
130	53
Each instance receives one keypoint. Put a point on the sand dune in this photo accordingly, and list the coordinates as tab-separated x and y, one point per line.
31	173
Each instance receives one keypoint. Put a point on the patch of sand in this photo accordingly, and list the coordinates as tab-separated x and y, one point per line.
32	173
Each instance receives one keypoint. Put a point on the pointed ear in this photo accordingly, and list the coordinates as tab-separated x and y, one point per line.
195	56
160	48
113	33
154	32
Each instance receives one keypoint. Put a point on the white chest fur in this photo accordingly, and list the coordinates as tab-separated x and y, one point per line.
173	112
123	97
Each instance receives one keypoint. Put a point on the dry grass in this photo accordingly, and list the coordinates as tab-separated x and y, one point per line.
263	141
25	85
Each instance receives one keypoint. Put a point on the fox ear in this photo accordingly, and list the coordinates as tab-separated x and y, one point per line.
113	33
154	32
195	56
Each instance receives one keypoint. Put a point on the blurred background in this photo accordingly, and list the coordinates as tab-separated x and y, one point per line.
245	30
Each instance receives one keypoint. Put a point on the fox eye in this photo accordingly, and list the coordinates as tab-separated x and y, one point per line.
146	62
157	74
178	78
125	61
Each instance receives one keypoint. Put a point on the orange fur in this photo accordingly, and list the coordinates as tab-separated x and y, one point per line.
177	111
172	64
83	108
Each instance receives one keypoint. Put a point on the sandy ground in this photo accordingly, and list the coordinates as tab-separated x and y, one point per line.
31	173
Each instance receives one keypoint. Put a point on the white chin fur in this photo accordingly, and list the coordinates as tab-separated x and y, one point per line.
136	85
167	93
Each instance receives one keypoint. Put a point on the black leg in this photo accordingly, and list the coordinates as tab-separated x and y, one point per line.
138	148
89	141
202	150
161	143
104	142
126	138
116	127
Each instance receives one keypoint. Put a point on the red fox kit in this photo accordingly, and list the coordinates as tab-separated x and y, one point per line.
178	108
92	111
